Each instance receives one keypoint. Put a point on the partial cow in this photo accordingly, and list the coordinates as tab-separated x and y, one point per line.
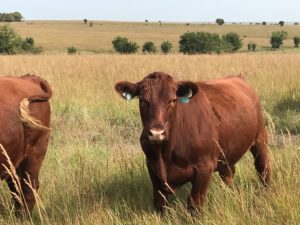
24	133
192	129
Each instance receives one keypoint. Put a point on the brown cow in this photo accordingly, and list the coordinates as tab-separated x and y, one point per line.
24	133
183	143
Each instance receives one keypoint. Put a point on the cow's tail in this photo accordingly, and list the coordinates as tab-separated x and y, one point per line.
27	119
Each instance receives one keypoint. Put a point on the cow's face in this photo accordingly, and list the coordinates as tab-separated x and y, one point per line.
158	97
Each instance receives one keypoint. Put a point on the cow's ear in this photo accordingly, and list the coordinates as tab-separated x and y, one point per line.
127	90
186	90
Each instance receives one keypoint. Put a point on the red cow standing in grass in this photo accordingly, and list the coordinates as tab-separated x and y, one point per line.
191	129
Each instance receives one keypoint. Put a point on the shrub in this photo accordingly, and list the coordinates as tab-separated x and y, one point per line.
202	42
72	50
123	46
166	47
28	46
234	40
12	43
220	21
277	39
85	21
296	41
149	47
264	23
251	46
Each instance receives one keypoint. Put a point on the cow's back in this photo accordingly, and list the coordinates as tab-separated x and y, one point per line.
237	112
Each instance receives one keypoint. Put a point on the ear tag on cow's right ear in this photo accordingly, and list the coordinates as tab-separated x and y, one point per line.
184	100
127	95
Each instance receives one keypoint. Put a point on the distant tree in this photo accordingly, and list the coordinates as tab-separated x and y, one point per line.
17	16
187	24
166	47
281	23
264	23
85	21
160	22
220	21
124	46
149	47
296	41
234	40
71	50
296	23
277	39
146	21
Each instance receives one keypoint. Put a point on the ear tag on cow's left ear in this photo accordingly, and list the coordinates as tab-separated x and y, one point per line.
127	95
187	97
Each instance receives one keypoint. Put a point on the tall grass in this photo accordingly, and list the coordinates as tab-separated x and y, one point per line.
94	171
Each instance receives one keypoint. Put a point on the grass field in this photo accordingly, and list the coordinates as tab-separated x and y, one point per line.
56	37
95	173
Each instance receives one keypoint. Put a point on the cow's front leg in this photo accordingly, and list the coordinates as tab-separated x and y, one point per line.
195	201
160	196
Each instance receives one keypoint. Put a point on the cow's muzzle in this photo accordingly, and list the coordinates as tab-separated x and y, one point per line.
156	135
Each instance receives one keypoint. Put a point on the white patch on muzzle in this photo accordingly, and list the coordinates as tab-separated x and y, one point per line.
156	135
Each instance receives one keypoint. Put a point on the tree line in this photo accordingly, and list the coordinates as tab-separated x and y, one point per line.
201	43
189	43
11	17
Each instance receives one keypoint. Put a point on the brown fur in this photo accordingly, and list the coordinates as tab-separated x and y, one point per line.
210	133
24	130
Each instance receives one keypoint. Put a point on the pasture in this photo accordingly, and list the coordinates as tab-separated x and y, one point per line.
57	36
95	172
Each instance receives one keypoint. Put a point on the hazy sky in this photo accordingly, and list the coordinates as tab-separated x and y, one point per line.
154	10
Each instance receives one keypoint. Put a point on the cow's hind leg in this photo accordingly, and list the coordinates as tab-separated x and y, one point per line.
28	172
30	169
15	195
261	156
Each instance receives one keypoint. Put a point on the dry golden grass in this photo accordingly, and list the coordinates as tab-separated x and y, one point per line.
57	36
94	171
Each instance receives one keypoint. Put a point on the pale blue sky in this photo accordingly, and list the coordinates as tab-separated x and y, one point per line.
154	10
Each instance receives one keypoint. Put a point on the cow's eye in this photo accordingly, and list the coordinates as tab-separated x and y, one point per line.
172	102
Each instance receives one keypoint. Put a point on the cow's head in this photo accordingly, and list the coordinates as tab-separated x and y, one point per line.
158	97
